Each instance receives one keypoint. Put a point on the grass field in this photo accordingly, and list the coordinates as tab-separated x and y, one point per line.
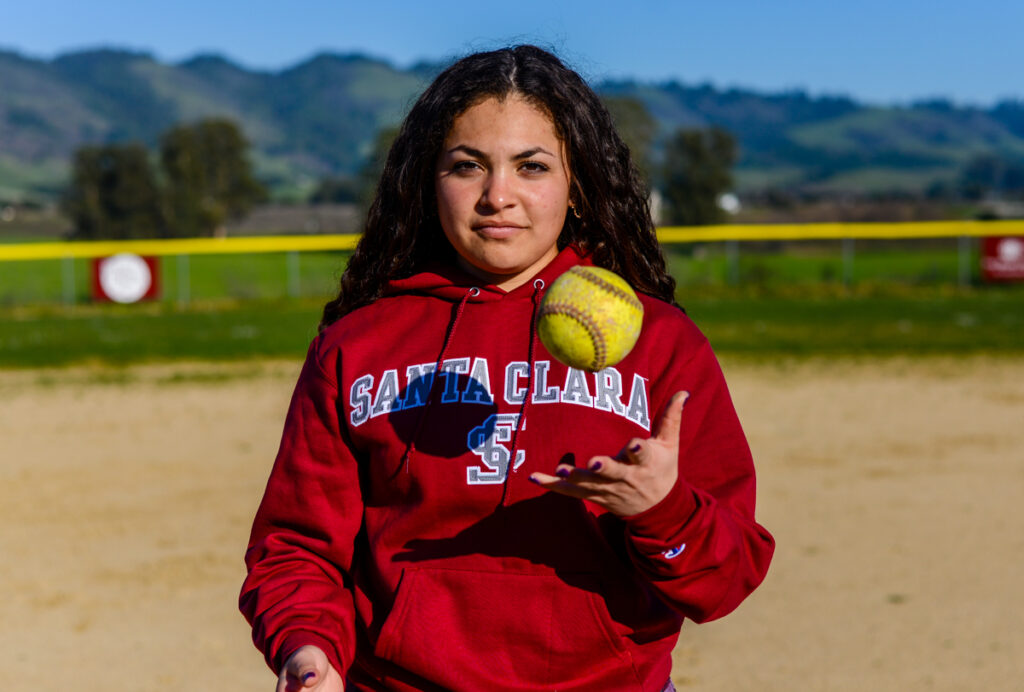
921	321
768	304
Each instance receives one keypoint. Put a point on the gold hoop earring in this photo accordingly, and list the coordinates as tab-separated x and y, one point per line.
575	212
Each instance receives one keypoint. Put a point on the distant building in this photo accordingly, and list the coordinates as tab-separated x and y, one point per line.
292	219
657	205
1003	208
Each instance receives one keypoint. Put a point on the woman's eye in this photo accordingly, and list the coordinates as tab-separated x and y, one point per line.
465	166
533	167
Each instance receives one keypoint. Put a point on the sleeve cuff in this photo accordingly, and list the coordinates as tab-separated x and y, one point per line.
295	641
664	521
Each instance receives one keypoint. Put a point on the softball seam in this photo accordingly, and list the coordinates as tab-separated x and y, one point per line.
586	275
589	326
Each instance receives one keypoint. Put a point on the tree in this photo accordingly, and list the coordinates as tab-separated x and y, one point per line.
637	127
113	194
336	190
697	170
208	177
373	166
990	174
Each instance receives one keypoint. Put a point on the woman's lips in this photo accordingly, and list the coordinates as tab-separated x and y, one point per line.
497	230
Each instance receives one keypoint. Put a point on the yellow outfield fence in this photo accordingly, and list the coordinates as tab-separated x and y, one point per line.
668	235
841	231
177	246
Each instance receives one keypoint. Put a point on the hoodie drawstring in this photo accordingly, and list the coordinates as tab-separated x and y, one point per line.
435	376
538	288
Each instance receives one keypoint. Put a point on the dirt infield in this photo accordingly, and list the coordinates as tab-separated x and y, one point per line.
894	490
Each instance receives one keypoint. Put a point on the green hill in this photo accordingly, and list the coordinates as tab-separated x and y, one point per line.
319	117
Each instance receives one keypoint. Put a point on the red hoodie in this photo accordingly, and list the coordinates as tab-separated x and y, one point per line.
393	536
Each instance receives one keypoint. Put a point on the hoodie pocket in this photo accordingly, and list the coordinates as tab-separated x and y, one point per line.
469	630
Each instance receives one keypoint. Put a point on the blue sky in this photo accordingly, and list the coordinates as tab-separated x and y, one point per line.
881	51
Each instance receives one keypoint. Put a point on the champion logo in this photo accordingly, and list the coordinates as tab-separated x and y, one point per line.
675	552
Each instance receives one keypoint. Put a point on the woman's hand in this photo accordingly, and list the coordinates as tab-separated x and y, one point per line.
308	670
637	478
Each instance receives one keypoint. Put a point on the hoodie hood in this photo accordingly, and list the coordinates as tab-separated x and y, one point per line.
451	283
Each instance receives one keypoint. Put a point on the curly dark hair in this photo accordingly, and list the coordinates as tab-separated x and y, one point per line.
403	233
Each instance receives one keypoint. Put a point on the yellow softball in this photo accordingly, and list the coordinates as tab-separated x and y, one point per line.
590	318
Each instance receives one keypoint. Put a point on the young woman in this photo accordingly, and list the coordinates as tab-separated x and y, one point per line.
453	509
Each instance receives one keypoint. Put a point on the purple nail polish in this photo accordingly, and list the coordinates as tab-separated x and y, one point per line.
308	676
562	472
596	466
635	448
534	480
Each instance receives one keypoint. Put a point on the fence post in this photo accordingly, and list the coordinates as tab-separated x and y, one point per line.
963	247
68	279
293	273
732	251
848	253
183	280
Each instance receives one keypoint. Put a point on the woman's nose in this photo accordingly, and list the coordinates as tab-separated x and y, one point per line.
498	191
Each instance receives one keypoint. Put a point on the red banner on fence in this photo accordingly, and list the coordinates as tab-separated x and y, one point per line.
1002	259
125	278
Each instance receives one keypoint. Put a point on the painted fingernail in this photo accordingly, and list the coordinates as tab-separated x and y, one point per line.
308	676
533	479
562	472
635	448
596	466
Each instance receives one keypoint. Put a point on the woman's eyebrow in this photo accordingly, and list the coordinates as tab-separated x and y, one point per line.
476	153
532	152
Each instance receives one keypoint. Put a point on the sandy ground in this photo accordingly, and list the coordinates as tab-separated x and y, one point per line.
894	490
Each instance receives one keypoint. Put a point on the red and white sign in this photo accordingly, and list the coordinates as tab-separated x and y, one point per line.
1002	259
125	278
